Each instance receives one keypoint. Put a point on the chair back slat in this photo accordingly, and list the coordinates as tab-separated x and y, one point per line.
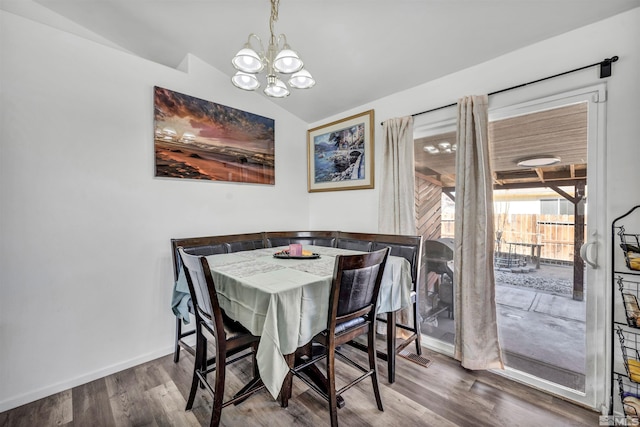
356	285
202	290
356	289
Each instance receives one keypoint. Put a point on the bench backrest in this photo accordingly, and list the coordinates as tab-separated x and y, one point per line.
245	242
212	245
408	247
315	238
355	241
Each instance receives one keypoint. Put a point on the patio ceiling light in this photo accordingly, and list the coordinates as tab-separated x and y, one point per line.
538	161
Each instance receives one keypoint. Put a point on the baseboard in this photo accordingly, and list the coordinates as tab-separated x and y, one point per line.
49	390
437	345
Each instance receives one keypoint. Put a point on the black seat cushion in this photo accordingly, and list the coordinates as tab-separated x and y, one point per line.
349	324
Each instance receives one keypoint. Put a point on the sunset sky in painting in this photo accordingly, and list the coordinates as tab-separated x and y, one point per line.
213	123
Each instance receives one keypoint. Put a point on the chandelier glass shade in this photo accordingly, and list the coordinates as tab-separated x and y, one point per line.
245	81
277	59
248	60
287	61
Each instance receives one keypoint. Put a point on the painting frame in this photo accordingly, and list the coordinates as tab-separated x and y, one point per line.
197	139
333	162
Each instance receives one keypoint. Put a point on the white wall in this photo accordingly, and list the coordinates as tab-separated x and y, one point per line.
619	35
85	271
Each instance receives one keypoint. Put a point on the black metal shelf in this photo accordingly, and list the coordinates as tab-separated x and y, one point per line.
628	390
632	273
628	333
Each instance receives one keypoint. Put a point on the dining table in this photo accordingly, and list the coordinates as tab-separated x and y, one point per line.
285	300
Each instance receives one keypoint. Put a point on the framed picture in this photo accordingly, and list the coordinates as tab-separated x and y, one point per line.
340	154
198	139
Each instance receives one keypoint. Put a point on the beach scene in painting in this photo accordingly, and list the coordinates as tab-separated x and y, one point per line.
339	155
198	139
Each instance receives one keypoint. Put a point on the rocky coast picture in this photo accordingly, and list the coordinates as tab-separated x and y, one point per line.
341	154
198	139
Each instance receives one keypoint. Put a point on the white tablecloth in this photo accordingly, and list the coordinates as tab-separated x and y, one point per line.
285	301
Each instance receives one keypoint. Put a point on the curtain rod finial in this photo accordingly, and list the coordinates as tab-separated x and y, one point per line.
605	67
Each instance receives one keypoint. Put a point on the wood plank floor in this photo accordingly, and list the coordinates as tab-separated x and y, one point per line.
444	394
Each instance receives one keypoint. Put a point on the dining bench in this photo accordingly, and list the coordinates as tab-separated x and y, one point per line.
408	247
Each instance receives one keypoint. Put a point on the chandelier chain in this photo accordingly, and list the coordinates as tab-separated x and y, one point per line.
274	17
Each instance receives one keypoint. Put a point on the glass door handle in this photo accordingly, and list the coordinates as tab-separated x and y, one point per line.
584	253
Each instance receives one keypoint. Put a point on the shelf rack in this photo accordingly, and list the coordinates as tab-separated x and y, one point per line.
627	280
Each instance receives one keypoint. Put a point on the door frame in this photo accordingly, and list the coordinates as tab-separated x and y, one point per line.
597	347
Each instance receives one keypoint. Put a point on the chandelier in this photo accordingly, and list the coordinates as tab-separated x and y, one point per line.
277	60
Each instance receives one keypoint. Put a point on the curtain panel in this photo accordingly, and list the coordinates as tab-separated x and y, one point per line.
476	339
396	208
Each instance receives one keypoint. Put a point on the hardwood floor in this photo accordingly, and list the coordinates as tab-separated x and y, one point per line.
444	394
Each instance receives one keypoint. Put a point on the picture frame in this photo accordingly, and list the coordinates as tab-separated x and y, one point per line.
340	154
197	139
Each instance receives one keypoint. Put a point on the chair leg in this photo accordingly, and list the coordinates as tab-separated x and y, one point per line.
204	361
373	365
197	365
218	395
176	352
416	327
331	383
391	346
254	361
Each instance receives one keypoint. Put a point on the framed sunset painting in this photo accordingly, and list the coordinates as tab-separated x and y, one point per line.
199	139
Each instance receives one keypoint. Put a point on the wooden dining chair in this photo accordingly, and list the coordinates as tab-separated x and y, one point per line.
232	341
410	248
353	301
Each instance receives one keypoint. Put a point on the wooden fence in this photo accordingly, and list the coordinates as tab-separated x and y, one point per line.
554	232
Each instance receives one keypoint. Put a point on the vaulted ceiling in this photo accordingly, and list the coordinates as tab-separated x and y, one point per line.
358	50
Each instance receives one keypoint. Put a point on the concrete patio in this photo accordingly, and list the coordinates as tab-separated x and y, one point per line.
541	333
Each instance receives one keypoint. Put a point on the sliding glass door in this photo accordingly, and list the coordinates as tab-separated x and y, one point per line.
544	214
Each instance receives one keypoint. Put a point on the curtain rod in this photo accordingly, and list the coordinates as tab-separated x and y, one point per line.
605	71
